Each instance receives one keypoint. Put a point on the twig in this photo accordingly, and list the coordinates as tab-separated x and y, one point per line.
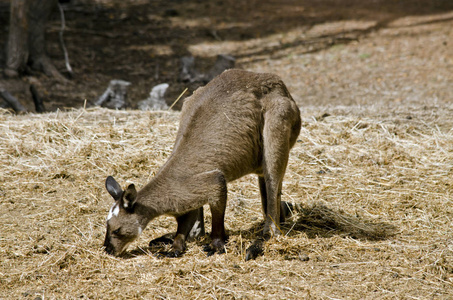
178	99
275	223
63	47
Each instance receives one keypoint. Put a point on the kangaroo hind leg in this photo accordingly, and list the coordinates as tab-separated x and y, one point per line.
276	153
286	208
281	128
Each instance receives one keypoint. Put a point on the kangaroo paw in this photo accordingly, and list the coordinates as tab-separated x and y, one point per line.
165	239
170	254
214	247
174	253
209	250
255	250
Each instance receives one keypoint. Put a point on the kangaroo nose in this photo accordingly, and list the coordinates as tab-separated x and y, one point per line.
109	250
107	246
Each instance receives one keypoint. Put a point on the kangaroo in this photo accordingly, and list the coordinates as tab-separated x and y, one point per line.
239	123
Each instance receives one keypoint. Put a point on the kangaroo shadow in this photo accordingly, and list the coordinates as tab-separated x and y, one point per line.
316	220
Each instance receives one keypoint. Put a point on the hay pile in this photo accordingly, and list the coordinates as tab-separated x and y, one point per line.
373	187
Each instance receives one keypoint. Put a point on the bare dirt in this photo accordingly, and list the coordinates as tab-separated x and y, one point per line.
390	50
372	169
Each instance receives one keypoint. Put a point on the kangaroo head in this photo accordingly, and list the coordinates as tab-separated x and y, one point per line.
123	223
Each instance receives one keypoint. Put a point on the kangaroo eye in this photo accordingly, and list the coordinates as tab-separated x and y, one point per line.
116	232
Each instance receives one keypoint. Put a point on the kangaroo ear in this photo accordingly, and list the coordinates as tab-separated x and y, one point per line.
130	195
113	188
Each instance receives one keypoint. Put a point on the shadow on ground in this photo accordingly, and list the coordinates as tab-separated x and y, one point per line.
316	220
142	42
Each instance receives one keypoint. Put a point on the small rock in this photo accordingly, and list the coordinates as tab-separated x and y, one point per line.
115	96
156	100
304	257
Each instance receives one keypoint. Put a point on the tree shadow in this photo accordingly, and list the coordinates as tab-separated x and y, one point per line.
142	42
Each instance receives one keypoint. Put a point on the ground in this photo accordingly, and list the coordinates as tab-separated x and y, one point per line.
372	169
379	51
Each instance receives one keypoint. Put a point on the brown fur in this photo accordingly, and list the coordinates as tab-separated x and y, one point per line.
239	123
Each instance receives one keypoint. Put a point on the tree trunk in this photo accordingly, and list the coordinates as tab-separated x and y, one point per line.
38	16
26	41
17	48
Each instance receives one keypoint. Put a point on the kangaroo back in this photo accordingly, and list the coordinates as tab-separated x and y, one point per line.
222	123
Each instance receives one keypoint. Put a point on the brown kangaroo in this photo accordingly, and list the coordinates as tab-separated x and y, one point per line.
239	123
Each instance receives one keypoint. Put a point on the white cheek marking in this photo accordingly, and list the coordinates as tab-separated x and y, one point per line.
114	211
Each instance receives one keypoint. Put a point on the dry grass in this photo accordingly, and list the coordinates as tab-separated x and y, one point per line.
375	221
373	180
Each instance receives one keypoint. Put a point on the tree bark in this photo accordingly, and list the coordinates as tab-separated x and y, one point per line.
26	41
17	47
38	16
